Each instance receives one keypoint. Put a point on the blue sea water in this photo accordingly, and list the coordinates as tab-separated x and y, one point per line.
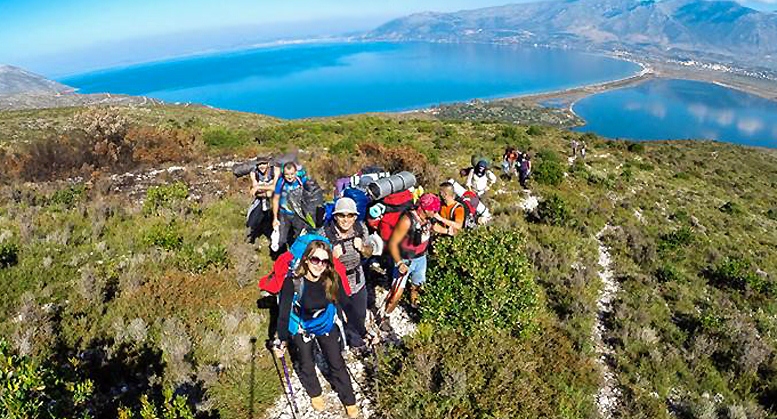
681	109
344	78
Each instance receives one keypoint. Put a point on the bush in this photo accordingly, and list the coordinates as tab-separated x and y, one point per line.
548	169
481	281
68	197
668	273
635	147
166	236
675	239
737	273
9	254
553	210
200	259
158	197
535	131
731	208
220	137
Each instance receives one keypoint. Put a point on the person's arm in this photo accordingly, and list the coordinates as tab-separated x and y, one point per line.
276	202
491	178
254	183
469	179
400	231
285	299
361	241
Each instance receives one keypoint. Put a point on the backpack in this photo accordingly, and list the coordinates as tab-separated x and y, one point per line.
396	204
322	322
469	201
361	199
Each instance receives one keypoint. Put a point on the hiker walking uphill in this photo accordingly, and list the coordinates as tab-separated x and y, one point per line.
349	244
509	162
263	179
308	304
525	169
480	179
288	224
452	213
407	247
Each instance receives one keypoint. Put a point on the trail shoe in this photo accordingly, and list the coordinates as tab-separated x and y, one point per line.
352	411
318	403
385	324
414	296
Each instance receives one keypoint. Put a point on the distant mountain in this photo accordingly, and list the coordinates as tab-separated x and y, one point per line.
14	80
700	27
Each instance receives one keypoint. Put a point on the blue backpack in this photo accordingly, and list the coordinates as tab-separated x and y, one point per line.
322	322
361	199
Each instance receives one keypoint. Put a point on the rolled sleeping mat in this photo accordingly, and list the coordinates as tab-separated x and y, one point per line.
386	186
243	169
457	188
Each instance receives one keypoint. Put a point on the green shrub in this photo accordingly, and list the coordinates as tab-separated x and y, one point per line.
668	273
635	147
166	236
219	137
737	273
29	390
158	197
553	210
772	214
346	146
731	208
9	254
481	280
548	172
200	259
67	197
535	131
675	239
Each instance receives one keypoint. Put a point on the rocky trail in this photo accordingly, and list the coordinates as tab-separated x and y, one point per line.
608	396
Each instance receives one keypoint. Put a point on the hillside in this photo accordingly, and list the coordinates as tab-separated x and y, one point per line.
14	80
717	30
643	284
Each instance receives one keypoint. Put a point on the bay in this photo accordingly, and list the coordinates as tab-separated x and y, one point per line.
310	80
681	109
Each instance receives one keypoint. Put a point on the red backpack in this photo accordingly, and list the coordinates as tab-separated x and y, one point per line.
470	201
396	205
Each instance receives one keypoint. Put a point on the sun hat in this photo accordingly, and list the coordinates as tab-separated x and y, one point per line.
345	206
430	202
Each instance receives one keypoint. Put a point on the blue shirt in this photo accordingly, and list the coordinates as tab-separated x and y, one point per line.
282	189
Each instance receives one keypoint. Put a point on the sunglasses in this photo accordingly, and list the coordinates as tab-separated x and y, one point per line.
318	261
345	215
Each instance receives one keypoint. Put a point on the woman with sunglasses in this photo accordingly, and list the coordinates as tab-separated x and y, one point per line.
313	291
349	237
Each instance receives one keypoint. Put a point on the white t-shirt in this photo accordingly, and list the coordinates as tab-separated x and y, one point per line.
480	183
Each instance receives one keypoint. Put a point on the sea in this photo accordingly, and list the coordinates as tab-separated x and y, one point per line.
340	78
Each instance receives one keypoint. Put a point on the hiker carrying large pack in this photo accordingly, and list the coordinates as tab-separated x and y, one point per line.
407	248
525	169
350	245
453	213
308	304
286	221
480	179
263	178
472	202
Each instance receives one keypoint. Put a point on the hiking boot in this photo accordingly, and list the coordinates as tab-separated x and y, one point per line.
414	295
318	403
385	324
352	411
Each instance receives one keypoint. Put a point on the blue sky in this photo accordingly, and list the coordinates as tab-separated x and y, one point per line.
58	37
62	36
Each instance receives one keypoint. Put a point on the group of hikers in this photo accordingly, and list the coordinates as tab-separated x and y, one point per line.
379	226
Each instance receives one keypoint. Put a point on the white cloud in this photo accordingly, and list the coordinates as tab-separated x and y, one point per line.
699	110
658	110
750	126
724	118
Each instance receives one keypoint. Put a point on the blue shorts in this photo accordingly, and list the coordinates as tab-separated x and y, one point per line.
416	271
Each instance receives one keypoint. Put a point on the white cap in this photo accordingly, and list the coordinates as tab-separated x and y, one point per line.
345	206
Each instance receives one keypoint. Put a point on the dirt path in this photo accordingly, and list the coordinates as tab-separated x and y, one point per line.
607	398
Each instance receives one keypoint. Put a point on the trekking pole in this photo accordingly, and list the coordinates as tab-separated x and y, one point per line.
283	385
291	390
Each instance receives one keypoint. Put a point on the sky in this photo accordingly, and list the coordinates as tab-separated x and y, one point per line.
61	37
57	37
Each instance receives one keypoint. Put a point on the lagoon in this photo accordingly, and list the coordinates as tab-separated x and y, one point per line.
681	109
310	80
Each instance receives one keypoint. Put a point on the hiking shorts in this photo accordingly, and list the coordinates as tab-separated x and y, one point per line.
416	269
